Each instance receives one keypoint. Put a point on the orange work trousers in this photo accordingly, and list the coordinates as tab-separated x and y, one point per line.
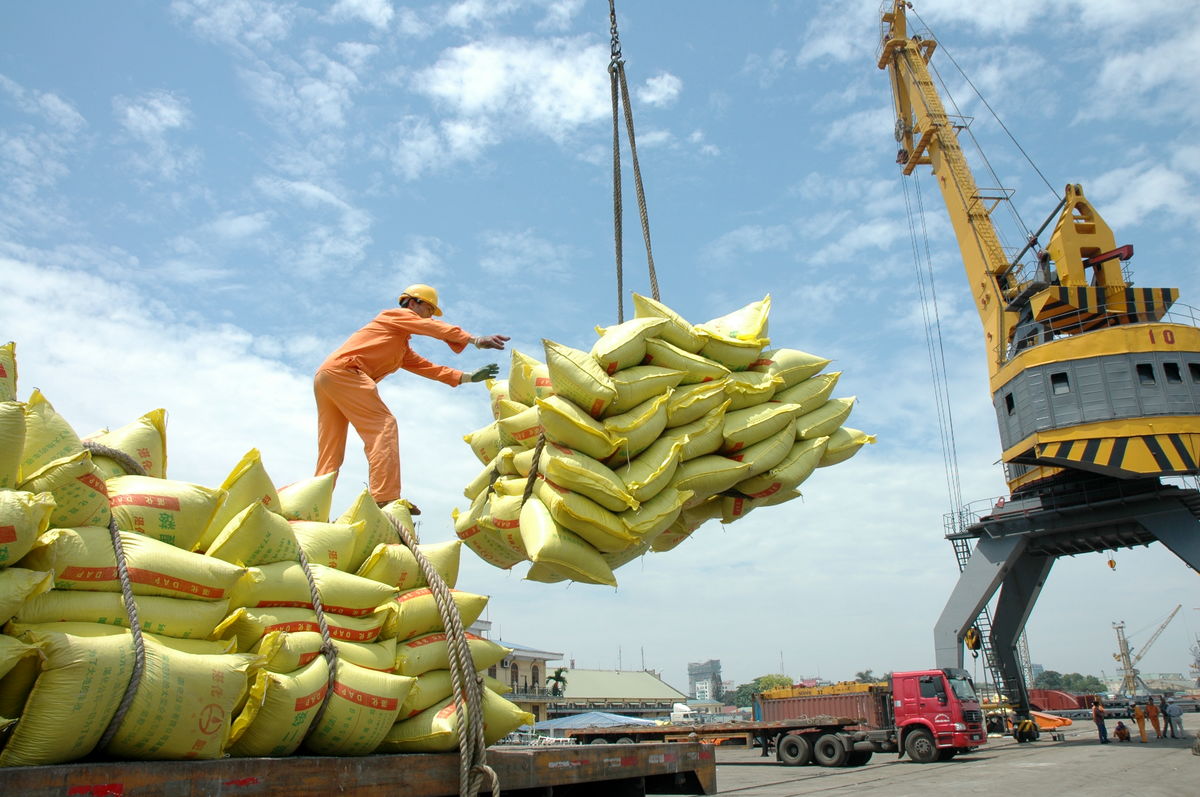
348	396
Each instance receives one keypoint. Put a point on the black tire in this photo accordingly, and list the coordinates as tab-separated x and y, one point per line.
625	740
793	751
920	747
599	740
828	751
858	758
946	753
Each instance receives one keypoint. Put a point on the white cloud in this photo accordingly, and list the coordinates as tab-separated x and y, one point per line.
357	54
50	107
150	118
654	138
377	13
327	245
514	253
661	90
238	227
750	238
697	137
1135	193
423	261
250	25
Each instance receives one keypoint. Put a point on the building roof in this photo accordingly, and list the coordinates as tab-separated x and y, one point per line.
523	651
618	685
590	719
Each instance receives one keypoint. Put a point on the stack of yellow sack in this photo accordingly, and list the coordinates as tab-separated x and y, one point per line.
662	426
235	661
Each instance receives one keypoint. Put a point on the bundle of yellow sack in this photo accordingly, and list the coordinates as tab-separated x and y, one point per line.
248	596
634	444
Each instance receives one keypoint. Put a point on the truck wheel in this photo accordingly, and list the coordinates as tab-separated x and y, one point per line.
858	758
920	747
946	753
599	740
794	751
625	740
828	751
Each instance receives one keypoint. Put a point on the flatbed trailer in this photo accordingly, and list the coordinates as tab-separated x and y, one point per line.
523	772
764	733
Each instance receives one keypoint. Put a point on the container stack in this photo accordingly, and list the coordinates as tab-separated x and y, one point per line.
596	458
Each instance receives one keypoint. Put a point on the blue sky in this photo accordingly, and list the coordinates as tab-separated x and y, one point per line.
202	198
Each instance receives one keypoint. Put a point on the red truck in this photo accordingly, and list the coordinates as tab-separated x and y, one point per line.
932	715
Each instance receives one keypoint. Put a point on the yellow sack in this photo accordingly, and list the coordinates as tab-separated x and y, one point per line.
485	442
791	365
279	711
577	376
700	437
48	437
601	528
843	444
13	652
144	440
746	427
749	389
639	384
379	655
287	652
435	730
417	612
528	379
246	484
748	323
308	499
490	473
81	684
284	584
825	420
652	470
696	369
23	518
799	463
690	519
766	453
677	331
169	617
622	558
12	442
396	565
182	708
425	653
507	408
734	507
690	403
18	585
624	345
548	543
497	392
504	515
178	513
8	371
736	355
331	544
377	529
809	394
654	516
484	541
521	429
708	475
248	626
83	559
545	574
584	475
80	495
433	687
361	711
255	536
640	427
567	425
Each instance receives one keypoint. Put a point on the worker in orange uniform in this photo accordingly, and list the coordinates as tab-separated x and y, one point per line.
346	392
1139	716
1152	715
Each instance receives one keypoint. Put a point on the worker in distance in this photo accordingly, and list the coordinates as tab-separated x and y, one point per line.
346	392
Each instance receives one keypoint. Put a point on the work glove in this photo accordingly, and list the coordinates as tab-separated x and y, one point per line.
489	371
490	341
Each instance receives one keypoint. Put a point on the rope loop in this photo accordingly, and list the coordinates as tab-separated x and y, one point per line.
135	628
130	465
328	649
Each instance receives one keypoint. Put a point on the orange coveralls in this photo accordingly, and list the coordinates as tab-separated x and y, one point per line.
345	391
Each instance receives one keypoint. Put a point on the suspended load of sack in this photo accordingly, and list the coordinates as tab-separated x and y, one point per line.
262	627
595	458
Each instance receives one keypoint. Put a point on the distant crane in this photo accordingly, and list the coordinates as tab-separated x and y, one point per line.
1131	679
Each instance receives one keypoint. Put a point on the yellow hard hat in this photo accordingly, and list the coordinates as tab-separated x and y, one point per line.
425	293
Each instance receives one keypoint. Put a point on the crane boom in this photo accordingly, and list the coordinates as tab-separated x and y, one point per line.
1087	373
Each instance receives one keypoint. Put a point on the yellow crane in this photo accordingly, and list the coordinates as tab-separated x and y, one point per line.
1131	679
1094	381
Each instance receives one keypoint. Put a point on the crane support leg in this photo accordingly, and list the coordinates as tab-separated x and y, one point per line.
988	566
1179	530
1018	594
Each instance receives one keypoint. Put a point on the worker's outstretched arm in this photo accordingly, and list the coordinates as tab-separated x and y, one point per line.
489	371
490	341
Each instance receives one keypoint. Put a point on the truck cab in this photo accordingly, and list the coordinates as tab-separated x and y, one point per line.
936	712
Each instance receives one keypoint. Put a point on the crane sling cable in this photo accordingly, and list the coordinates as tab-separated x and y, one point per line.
616	75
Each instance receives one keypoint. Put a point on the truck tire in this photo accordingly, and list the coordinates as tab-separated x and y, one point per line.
828	751
625	740
599	740
858	758
793	751
946	753
920	747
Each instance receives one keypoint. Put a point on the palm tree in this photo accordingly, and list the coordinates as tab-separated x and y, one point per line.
865	677
559	679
